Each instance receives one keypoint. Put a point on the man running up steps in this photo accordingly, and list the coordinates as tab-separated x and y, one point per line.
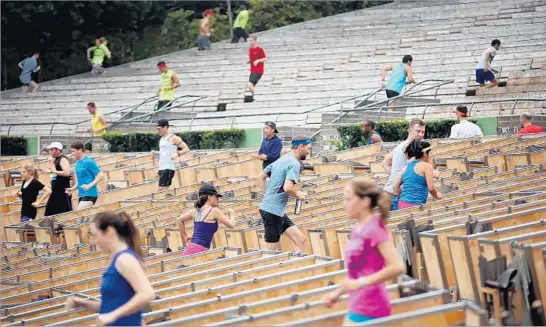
168	153
256	59
283	175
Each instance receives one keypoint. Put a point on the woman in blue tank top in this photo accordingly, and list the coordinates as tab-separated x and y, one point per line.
416	180
205	216
125	289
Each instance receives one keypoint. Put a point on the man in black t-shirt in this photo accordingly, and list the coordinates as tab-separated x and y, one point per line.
59	201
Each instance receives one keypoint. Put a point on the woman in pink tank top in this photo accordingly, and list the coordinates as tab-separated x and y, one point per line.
371	258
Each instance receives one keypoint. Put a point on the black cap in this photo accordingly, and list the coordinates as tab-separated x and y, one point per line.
208	189
272	125
163	123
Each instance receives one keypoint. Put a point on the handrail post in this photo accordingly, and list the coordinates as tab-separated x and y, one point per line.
9	128
233	121
51	129
424	111
514	106
470	109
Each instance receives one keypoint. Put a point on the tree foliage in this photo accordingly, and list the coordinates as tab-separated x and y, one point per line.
142	142
63	30
350	136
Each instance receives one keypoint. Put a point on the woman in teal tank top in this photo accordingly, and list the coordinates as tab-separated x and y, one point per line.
416	180
125	289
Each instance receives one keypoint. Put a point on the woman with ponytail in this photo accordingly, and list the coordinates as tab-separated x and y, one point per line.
416	180
29	193
371	258
205	216
125	290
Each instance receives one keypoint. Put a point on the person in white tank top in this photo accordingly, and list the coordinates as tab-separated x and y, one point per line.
169	146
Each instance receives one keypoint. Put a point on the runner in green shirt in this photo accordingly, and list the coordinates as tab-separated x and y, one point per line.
240	24
100	50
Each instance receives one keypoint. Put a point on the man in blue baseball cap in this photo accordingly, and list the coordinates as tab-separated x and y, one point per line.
283	175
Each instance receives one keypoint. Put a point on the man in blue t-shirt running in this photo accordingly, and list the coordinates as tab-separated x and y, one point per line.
88	176
283	175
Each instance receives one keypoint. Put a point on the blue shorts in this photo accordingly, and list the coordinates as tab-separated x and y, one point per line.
394	203
482	77
356	318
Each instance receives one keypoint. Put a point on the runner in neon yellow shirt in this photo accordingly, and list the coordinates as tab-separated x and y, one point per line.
100	50
239	26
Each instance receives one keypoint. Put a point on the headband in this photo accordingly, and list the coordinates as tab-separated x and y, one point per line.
161	65
464	114
427	149
301	142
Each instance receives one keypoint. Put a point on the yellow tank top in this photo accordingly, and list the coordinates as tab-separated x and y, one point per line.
96	124
166	82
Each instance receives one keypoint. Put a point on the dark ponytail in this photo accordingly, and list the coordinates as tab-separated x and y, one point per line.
124	226
417	148
201	201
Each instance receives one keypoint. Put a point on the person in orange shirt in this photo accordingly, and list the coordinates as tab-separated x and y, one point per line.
527	126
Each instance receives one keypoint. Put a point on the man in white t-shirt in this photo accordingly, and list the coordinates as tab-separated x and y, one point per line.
464	129
483	68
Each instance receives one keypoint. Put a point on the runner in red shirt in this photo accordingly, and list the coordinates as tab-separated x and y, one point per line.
527	126
256	59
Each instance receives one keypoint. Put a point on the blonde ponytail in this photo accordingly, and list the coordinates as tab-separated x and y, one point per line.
384	204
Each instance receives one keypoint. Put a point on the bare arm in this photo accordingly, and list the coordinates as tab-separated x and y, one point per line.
65	166
181	145
429	177
130	268
397	187
45	196
290	189
387	163
175	81
89	52
376	138
181	223
104	123
384	72
261	181
409	72
92	305
229	220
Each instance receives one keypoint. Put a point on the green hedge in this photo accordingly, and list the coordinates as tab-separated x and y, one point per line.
13	146
142	142
391	131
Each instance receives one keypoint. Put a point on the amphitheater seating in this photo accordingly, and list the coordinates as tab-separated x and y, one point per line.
492	211
315	64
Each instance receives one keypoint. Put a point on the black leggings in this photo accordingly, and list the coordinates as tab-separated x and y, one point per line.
239	33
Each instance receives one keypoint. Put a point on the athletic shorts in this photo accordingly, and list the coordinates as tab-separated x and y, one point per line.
274	226
405	205
357	318
254	78
164	103
203	43
482	77
166	177
391	93
88	198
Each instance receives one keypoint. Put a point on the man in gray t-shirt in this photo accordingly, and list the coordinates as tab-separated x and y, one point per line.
283	176
29	66
396	160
